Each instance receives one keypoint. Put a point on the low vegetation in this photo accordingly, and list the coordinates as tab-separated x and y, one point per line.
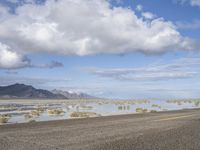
196	103
153	111
4	118
56	112
40	109
28	116
86	107
123	107
32	114
32	121
35	113
156	106
179	102
83	114
141	110
129	102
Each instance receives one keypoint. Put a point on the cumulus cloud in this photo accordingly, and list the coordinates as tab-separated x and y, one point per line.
182	68
4	12
88	27
148	15
11	59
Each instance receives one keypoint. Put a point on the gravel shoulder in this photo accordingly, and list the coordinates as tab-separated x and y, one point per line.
178	130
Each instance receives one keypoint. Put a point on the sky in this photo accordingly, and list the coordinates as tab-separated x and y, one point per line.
119	49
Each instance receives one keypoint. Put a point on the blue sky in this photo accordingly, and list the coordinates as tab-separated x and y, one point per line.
114	49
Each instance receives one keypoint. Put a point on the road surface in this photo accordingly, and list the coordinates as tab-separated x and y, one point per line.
175	130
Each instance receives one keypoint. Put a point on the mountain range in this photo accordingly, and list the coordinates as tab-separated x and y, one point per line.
29	92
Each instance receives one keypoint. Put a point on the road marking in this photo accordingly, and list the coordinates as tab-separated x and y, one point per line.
174	118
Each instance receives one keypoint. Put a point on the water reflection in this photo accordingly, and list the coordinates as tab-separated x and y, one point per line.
12	111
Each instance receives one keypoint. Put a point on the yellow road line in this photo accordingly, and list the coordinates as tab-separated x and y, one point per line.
174	118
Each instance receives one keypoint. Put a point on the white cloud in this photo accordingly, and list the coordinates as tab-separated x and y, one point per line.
191	2
139	7
3	12
10	59
180	69
195	2
148	15
88	27
189	25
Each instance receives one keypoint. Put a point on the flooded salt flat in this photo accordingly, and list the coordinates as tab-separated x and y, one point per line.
20	111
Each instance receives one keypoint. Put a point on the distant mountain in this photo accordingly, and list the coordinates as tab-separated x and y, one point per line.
26	91
29	92
73	95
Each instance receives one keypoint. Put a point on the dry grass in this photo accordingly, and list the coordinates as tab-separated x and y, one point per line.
196	103
179	102
35	113
40	109
153	111
32	114
83	114
28	116
156	106
141	110
129	102
124	107
56	112
86	107
4	119
32	121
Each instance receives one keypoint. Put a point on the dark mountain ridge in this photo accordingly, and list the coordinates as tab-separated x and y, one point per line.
29	92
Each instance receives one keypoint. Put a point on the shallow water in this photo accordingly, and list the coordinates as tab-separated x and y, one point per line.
19	108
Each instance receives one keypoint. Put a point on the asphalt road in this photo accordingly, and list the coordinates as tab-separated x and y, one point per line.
176	130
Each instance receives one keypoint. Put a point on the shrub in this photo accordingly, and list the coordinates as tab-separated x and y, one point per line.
32	121
32	114
156	106
86	107
3	119
40	110
196	103
56	112
120	107
6	115
35	113
28	116
153	111
141	110
83	114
